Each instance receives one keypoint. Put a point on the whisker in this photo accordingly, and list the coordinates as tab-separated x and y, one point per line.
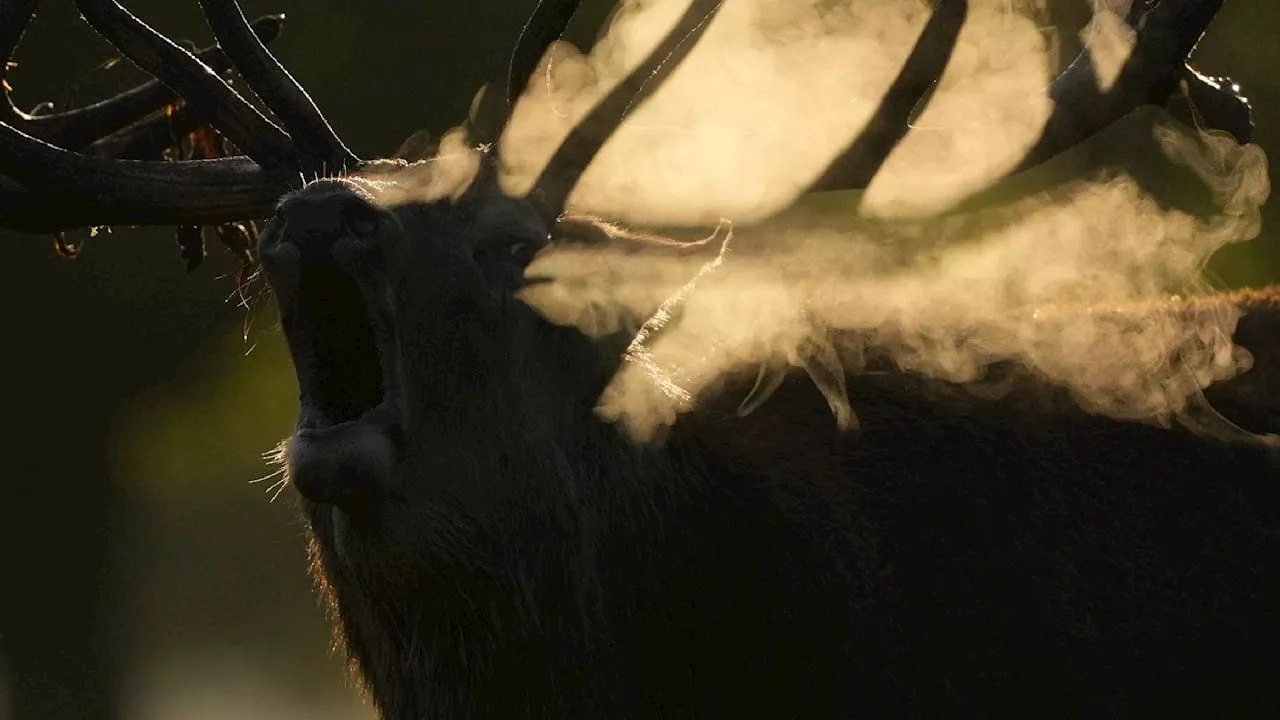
276	455
268	476
279	487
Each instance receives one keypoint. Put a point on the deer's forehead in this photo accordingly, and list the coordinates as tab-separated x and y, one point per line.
334	191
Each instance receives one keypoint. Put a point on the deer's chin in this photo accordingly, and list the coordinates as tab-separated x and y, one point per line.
350	463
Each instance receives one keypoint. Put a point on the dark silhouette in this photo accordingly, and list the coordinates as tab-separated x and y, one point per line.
492	548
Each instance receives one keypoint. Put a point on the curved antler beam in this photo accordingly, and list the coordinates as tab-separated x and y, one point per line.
25	211
102	191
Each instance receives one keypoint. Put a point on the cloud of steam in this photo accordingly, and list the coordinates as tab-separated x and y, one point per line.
1073	282
772	91
1075	286
754	112
447	174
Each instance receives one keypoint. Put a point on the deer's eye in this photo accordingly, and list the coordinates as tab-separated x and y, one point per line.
508	251
504	259
523	252
361	219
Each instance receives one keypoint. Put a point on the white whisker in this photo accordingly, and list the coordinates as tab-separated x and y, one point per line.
268	476
279	487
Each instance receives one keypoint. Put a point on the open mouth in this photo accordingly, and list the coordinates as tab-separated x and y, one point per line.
349	434
347	377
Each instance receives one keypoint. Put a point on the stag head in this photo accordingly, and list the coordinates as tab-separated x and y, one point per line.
392	313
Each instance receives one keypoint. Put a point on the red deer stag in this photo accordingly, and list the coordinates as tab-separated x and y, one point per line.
496	539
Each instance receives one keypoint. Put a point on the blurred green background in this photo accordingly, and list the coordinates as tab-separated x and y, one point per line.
144	575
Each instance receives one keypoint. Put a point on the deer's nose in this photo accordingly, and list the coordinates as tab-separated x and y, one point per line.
319	216
308	220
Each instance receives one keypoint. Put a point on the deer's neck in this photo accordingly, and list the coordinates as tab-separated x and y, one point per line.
517	603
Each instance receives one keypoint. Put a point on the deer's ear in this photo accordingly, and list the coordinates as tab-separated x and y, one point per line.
486	116
418	146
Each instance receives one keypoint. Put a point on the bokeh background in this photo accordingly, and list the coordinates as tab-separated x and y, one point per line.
142	574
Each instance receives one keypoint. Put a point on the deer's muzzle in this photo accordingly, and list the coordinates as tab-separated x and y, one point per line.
326	268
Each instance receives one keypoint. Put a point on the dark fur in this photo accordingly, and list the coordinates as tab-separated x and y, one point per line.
959	557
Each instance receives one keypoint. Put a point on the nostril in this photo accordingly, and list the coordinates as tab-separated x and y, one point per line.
276	253
280	261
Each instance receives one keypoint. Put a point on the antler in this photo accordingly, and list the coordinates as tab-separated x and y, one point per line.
545	25
862	159
75	129
46	186
551	190
277	88
1165	36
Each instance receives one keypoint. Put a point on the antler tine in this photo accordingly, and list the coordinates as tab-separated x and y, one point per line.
1168	35
859	163
546	25
1165	37
489	118
148	139
90	190
311	133
190	78
15	15
1214	102
551	190
75	129
48	188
